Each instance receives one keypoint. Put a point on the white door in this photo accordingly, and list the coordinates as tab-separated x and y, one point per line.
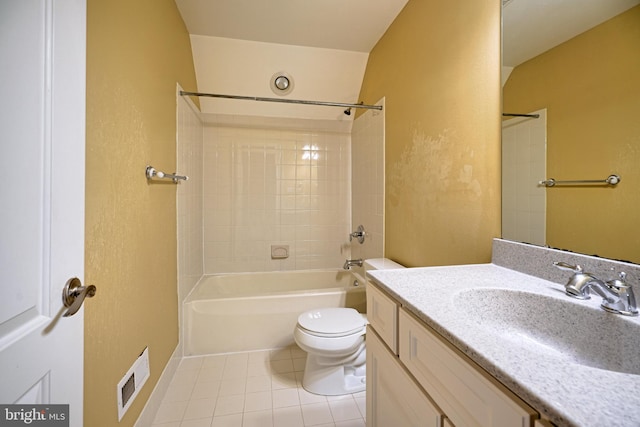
42	134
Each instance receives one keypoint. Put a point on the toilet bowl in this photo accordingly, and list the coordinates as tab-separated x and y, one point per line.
334	339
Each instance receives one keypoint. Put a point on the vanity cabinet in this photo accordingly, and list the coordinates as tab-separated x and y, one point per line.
393	398
468	395
382	314
409	363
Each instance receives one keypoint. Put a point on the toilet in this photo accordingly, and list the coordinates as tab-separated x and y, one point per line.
334	339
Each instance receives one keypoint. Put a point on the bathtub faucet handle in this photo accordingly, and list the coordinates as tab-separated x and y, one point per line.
358	234
351	262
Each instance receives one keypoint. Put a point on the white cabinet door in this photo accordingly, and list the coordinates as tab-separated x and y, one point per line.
42	125
393	399
382	313
469	396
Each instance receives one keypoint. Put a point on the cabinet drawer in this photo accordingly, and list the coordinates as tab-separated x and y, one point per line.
382	313
393	397
466	393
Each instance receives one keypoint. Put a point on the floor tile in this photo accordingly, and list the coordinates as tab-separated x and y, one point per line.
178	393
201	422
258	369
258	401
234	371
232	387
362	405
227	405
288	417
299	364
190	363
306	397
234	420
182	378
214	361
343	410
316	413
280	354
280	381
258	419
211	373
261	388
170	411
285	397
282	366
205	389
199	408
351	423
255	384
171	424
259	356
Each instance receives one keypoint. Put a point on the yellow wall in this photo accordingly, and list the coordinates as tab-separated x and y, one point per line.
590	86
136	52
438	66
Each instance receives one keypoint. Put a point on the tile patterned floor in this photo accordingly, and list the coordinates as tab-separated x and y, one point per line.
252	389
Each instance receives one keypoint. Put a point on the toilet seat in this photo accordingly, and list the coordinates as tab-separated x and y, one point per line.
332	322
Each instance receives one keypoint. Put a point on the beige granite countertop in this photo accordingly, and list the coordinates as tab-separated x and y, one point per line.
561	384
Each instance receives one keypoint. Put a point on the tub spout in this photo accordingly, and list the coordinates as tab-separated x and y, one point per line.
350	262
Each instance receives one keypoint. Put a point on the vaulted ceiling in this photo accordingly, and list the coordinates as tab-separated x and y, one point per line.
239	44
354	25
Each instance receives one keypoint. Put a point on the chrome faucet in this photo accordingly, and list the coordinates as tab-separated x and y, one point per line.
617	295
350	262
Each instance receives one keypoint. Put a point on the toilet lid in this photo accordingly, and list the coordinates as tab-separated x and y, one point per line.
332	321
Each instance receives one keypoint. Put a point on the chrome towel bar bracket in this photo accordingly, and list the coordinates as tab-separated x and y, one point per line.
151	172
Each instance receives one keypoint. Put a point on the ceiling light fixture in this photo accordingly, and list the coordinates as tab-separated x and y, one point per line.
281	83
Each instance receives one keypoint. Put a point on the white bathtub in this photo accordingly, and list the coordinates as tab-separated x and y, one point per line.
254	311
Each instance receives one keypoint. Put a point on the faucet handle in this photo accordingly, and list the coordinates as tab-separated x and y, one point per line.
619	283
626	303
358	234
567	267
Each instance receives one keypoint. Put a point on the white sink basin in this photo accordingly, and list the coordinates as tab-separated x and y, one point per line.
560	327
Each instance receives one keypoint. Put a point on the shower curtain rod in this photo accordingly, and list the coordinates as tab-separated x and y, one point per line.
535	116
287	101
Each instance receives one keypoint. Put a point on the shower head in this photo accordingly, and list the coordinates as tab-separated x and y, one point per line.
348	111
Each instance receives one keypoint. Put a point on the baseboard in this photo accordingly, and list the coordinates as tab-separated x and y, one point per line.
150	409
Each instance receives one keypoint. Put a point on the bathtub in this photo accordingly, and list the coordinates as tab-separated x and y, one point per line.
253	311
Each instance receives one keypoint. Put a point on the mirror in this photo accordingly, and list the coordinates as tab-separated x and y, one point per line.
575	64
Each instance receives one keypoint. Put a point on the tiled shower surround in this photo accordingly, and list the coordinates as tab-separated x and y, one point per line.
367	184
261	181
264	187
189	196
524	203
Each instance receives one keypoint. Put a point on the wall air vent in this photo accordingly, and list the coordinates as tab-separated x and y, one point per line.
130	385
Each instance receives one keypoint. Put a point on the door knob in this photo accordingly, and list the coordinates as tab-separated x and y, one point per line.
73	295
